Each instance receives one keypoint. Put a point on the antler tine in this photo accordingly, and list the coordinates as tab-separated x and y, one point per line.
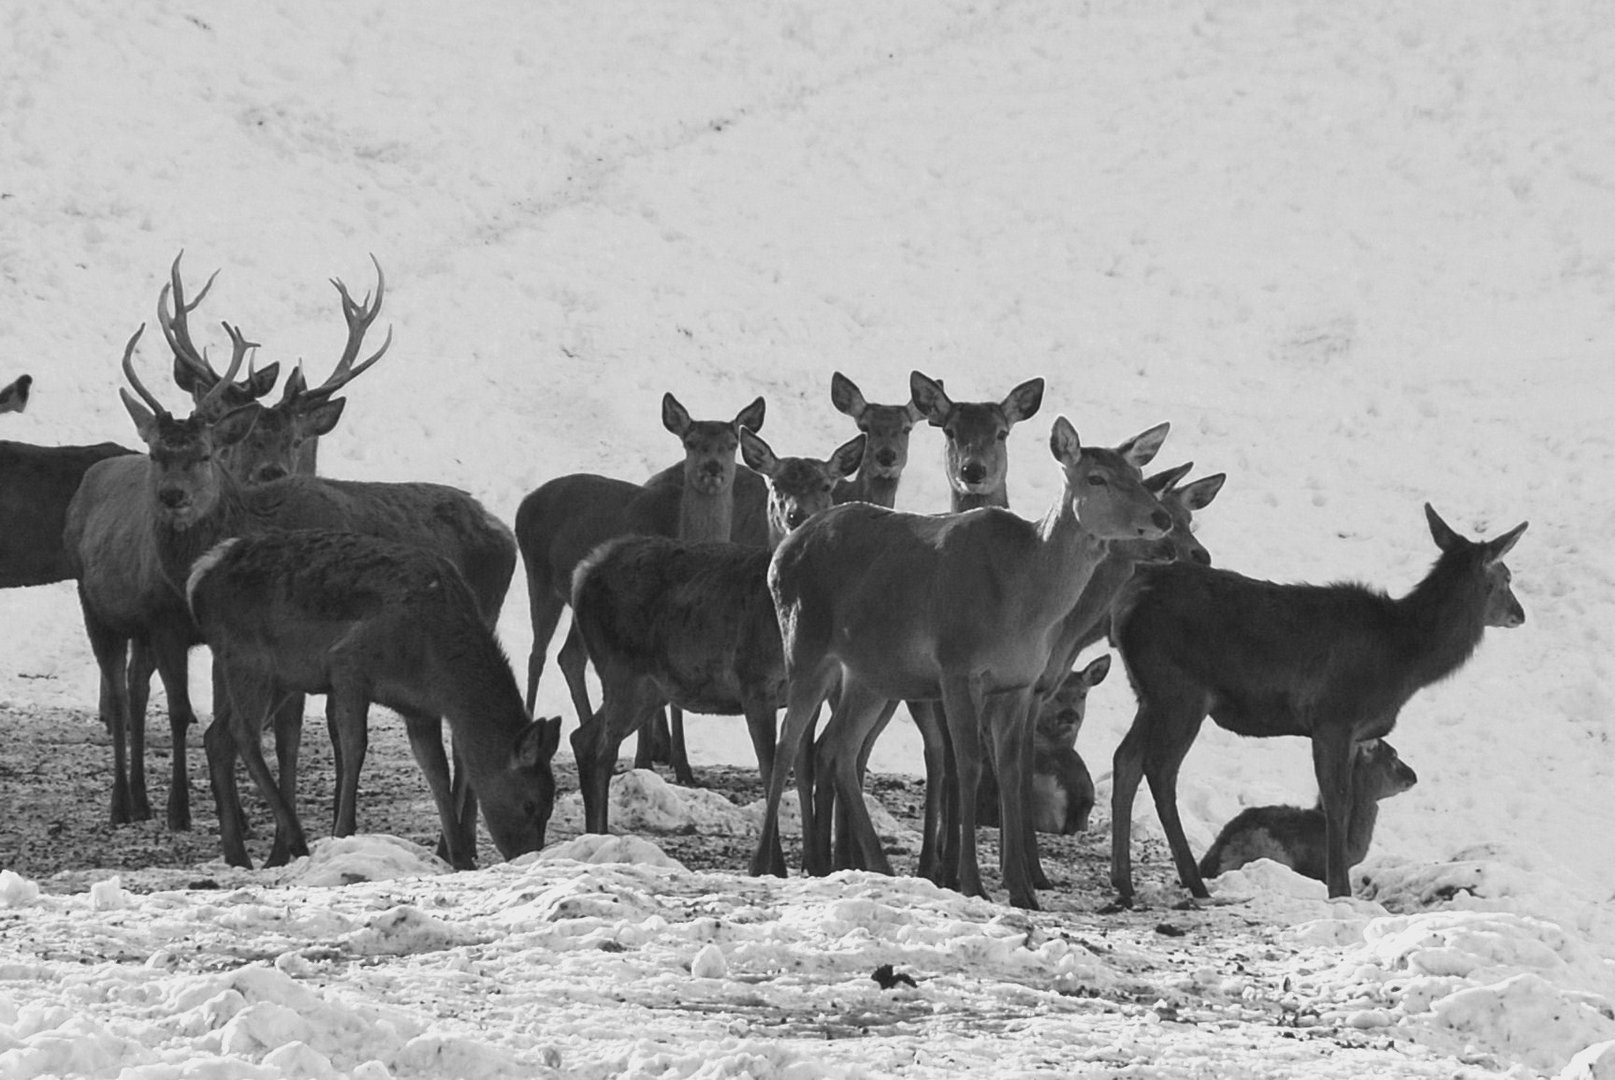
176	328
134	380
359	316
239	347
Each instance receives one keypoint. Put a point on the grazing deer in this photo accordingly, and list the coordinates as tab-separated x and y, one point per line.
195	502
964	608
14	395
704	497
693	624
1296	837
1335	663
364	619
135	617
1060	796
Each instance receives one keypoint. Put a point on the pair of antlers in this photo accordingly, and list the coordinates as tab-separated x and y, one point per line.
176	329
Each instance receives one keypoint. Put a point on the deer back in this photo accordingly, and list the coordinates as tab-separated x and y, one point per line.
37	485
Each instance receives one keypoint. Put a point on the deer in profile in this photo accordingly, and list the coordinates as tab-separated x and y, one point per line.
134	616
194	502
1334	663
1060	796
14	395
364	620
1296	837
691	623
961	608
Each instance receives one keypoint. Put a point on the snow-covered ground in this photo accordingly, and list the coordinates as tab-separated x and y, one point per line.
1362	256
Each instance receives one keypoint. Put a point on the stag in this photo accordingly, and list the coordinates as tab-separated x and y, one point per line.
691	623
962	608
1334	663
134	615
363	619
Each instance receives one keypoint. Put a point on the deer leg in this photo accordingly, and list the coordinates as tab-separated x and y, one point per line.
545	606
465	803
1127	769
573	660
1008	716
1175	732
142	662
855	717
677	752
172	660
1332	751
1040	880
253	697
348	722
220	747
111	657
655	742
426	744
627	700
962	704
808	690
286	720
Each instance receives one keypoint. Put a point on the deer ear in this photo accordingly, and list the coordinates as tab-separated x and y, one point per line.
1496	549
849	455
320	419
1198	495
261	382
1166	478
537	743
751	416
1063	442
756	453
145	420
675	417
1142	448
928	395
846	396
1441	532
1023	401
1095	673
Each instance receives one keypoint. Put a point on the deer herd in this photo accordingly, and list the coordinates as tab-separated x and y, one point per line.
787	583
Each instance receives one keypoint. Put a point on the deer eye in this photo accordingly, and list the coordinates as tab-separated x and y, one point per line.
1095	480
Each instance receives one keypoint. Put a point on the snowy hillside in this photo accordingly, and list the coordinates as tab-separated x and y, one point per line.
1361	257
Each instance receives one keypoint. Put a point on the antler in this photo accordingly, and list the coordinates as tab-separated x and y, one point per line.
177	330
134	380
359	316
239	347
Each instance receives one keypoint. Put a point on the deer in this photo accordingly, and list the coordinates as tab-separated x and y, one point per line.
1061	795
195	502
703	497
976	462
14	395
364	619
1334	663
961	608
134	616
1296	837
693	624
886	429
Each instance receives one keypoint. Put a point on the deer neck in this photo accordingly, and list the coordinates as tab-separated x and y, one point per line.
706	517
1066	557
970	500
179	547
880	490
1442	622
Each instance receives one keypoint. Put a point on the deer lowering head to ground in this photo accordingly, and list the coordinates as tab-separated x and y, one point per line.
364	619
690	623
887	428
1296	837
14	395
1334	663
962	608
563	520
975	434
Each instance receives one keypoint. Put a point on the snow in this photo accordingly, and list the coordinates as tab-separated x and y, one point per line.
1361	256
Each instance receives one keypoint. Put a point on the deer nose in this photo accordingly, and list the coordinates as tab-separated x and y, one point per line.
172	497
886	457
972	472
1161	520
1201	556
270	472
797	516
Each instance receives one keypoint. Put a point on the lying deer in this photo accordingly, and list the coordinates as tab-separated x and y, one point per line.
692	624
964	608
1061	796
1296	837
1335	663
364	619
